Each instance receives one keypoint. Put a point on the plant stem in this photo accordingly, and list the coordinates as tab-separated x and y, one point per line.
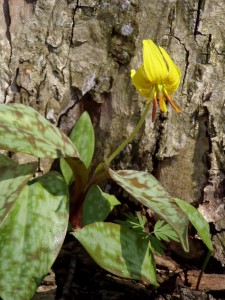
203	268
127	141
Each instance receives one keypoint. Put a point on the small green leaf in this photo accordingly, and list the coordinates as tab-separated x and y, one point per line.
13	178
119	250
66	171
22	129
165	232
83	138
133	221
198	221
32	235
142	220
158	225
157	245
146	189
97	205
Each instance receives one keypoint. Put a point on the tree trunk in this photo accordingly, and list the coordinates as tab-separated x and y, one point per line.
63	57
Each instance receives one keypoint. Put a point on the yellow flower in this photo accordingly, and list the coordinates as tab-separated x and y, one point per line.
157	78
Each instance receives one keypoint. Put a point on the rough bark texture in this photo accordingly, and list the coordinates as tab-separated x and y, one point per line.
62	57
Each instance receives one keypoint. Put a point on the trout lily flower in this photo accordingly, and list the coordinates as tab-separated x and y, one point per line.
157	78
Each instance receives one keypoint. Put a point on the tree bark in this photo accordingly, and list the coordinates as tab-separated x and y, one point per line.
63	57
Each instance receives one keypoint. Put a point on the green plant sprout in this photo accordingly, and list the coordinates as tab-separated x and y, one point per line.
34	212
160	232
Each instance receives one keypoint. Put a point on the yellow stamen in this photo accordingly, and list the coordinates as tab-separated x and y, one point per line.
162	103
176	108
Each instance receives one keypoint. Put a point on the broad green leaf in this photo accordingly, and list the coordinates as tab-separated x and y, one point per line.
22	129
119	250
83	138
197	220
32	235
97	205
13	178
147	190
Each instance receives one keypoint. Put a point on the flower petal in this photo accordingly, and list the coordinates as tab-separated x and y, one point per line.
172	81
141	82
154	63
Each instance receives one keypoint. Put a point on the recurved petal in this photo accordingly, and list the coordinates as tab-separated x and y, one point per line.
172	83
141	82
154	64
173	79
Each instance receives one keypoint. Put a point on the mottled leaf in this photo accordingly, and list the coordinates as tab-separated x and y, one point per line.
22	129
119	250
97	205
32	235
13	178
147	190
197	220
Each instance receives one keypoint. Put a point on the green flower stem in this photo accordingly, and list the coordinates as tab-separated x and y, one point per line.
127	141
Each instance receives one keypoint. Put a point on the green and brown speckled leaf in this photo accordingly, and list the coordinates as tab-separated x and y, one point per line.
32	235
146	189
119	250
13	178
97	205
22	129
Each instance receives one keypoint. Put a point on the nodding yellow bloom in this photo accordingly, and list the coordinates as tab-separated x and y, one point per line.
157	78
